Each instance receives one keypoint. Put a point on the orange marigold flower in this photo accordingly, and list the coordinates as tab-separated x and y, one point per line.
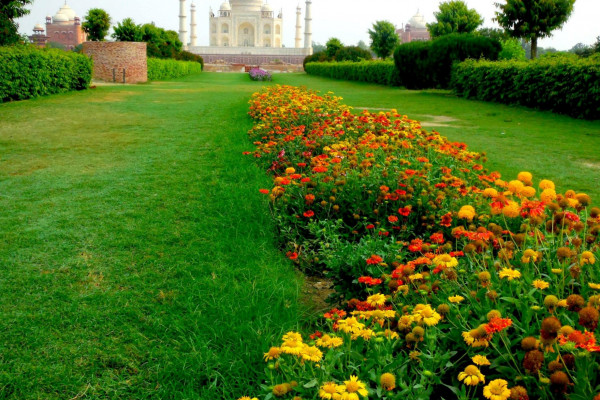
374	259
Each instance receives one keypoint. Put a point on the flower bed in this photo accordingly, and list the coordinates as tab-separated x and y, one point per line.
453	282
258	74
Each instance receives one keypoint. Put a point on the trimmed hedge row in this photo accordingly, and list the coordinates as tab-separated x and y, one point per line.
382	72
161	69
558	84
26	72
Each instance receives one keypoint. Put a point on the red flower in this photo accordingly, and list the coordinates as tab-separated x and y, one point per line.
335	314
315	335
309	213
391	218
370	281
437	238
404	211
374	259
416	245
446	220
319	169
292	255
370	226
264	191
497	325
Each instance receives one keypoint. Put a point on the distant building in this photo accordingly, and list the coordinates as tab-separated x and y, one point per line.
414	30
64	28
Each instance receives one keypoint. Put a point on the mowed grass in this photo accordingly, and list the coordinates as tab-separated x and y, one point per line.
136	253
515	139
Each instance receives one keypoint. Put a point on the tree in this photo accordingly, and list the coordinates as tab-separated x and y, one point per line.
352	53
533	19
318	47
494	33
384	38
161	43
96	24
332	46
362	45
9	11
582	50
454	17
512	50
127	31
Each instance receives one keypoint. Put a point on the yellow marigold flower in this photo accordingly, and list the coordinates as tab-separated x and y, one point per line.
557	271
424	313
525	177
509	273
350	325
573	203
455	299
311	353
414	355
290	171
274	352
595	286
247	398
282	389
515	186
354	386
587	257
527	191
377	299
480	360
490	192
329	341
529	255
562	303
466	212
511	210
540	284
548	196
546	184
292	343
331	390
366	334
471	376
497	390
390	334
500	182
476	337
415	277
388	381
445	260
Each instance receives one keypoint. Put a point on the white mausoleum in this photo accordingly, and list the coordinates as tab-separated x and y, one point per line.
246	28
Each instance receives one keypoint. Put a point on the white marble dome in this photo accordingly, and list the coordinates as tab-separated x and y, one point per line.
266	7
60	18
417	21
68	11
225	6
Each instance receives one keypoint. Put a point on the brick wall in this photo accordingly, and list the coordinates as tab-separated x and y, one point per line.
109	56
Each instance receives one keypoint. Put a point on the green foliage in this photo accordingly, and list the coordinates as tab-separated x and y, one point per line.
383	38
378	71
127	31
563	84
332	46
9	11
512	50
161	43
318	47
494	33
533	19
352	53
317	57
187	56
454	17
27	72
429	64
160	70
96	24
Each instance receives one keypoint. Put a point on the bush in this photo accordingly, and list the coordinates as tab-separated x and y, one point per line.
429	64
352	53
382	72
159	69
561	84
187	56
27	72
258	74
319	56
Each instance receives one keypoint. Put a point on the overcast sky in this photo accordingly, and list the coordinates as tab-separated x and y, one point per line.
348	20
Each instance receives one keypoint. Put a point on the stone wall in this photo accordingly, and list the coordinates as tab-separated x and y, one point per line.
112	60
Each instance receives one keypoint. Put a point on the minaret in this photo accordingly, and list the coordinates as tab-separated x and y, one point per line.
298	27
194	35
308	27
182	24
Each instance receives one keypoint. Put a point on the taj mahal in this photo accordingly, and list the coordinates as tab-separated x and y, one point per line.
246	31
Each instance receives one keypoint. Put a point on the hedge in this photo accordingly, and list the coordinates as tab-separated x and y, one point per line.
562	85
429	64
382	72
161	69
26	72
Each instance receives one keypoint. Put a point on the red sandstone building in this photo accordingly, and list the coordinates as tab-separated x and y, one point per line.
414	30
64	29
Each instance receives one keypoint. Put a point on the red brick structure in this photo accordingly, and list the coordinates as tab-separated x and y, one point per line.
414	30
63	29
123	62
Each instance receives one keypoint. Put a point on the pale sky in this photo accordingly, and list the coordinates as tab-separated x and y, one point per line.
348	20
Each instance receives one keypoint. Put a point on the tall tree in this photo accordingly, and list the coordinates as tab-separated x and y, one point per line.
9	11
384	38
96	24
127	31
332	46
533	19
454	17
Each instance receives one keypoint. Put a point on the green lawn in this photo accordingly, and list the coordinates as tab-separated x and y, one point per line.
136	254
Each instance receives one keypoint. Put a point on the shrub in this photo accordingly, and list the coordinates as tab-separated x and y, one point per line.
187	56
258	74
429	64
562	84
27	72
382	72
319	56
512	50
352	53
159	69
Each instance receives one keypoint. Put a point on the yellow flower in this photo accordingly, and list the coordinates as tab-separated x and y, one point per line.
390	334
377	299
527	191
415	277
587	257
497	390
247	398
557	271
548	196
388	381
512	209
354	386
546	184
515	186
350	325
490	192
424	313
274	352
480	360
311	353
509	273
466	212
471	376
455	299
329	341
525	177
445	260
540	284
292	343
562	303
330	390
595	286
528	256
